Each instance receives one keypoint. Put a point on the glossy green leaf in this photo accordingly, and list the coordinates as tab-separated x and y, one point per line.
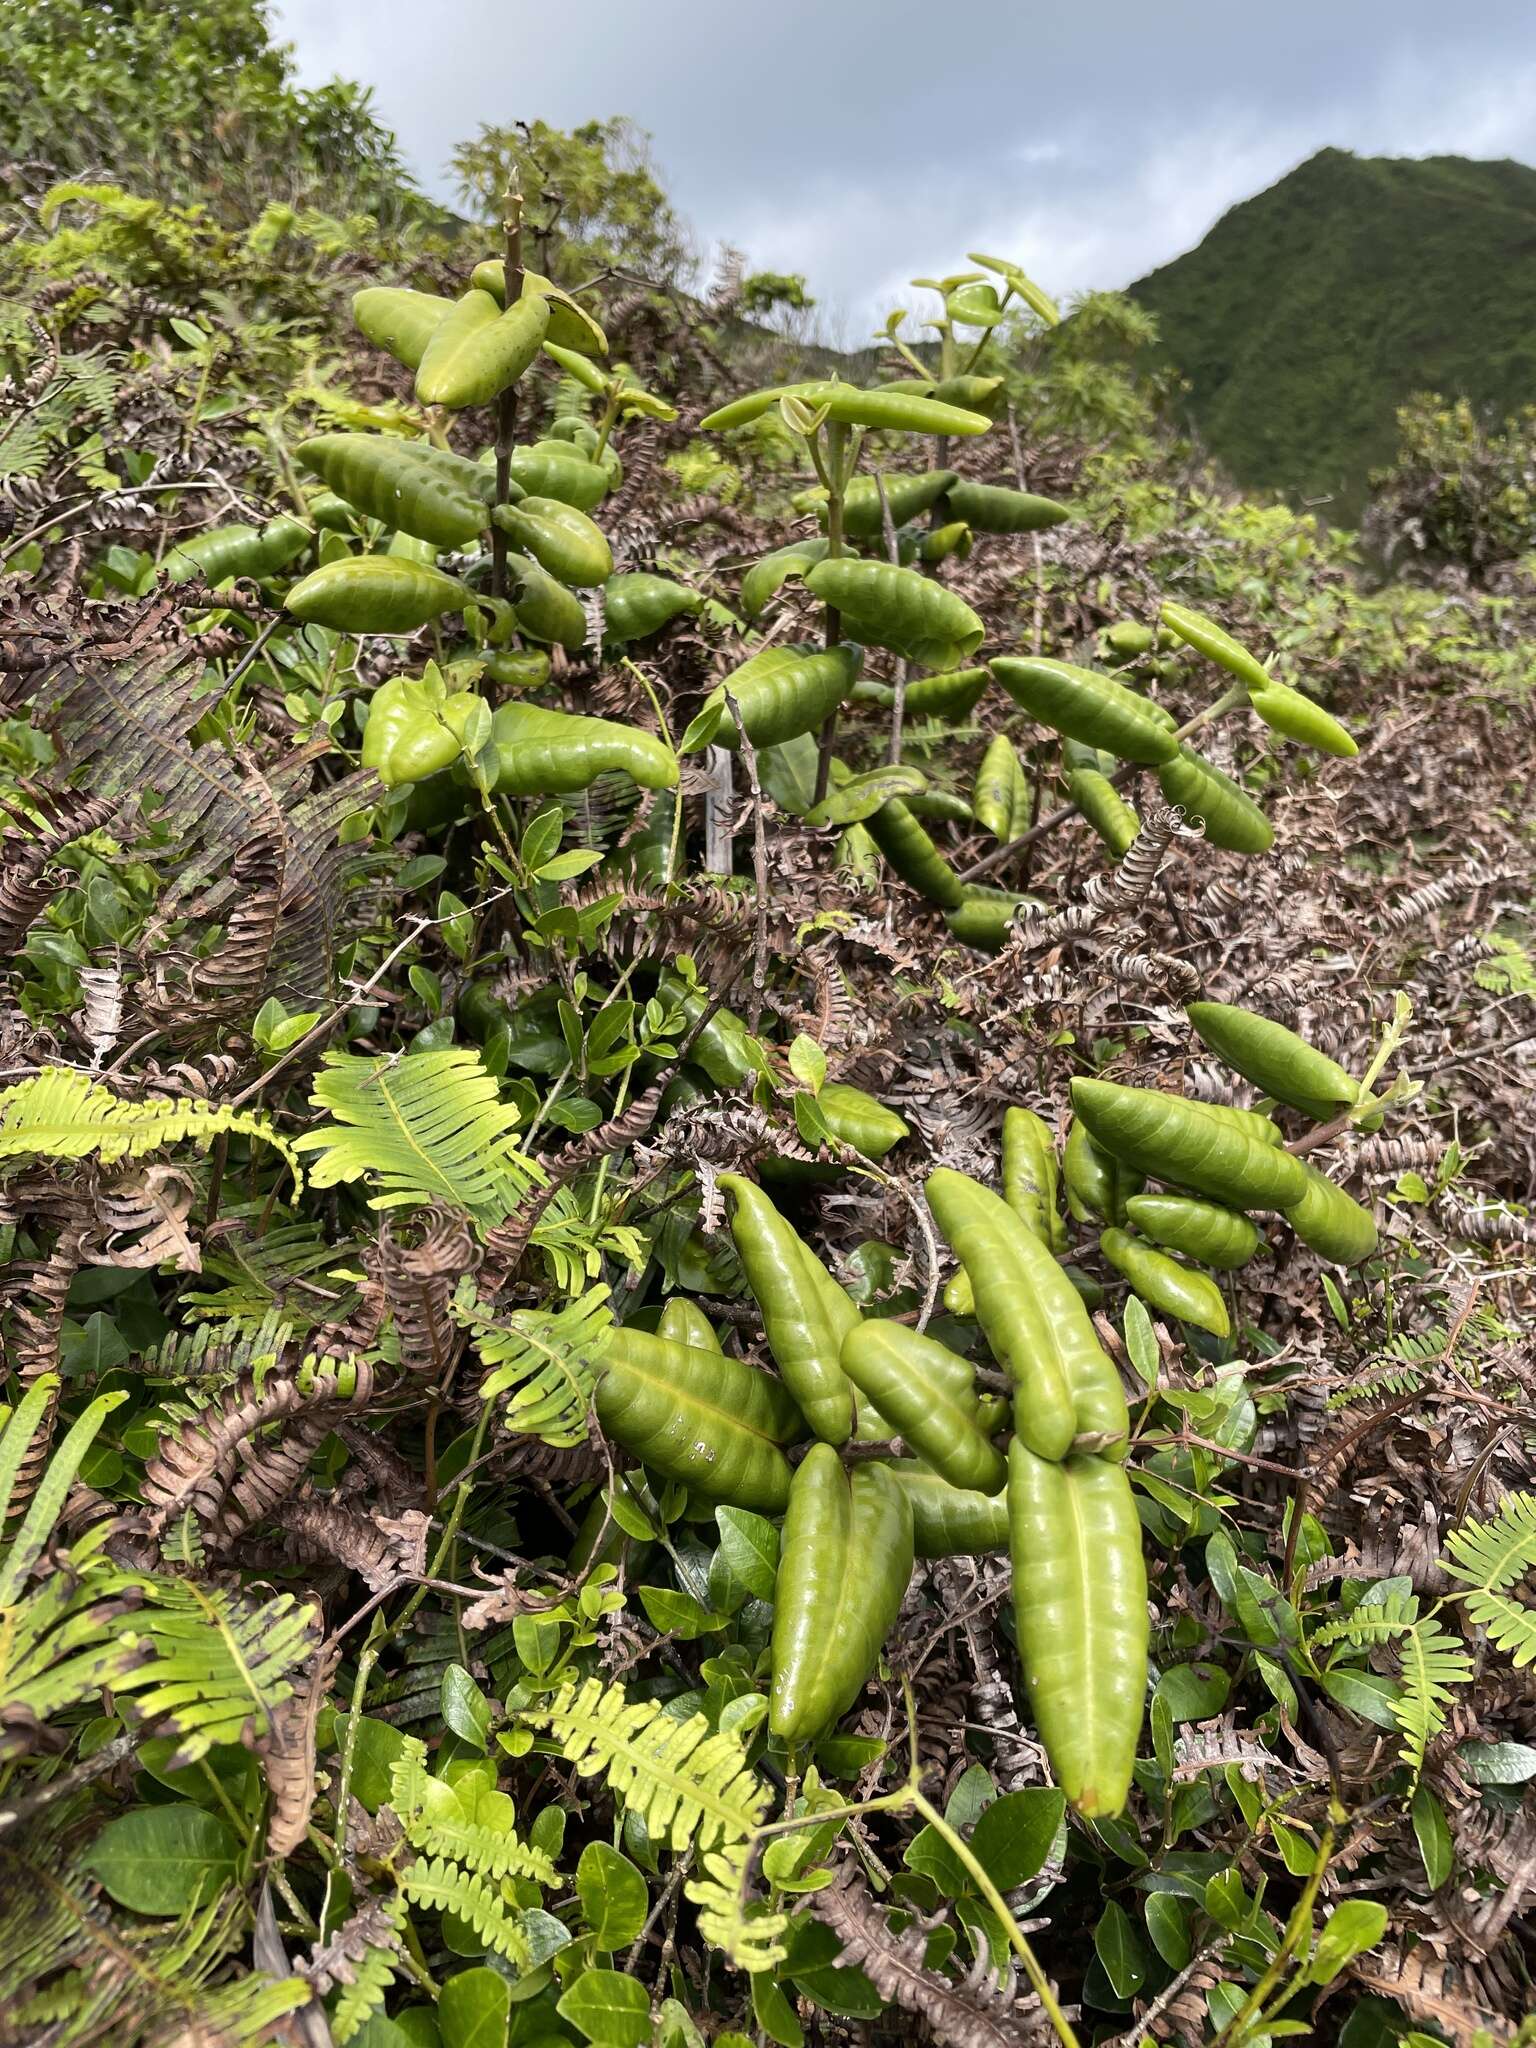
164	1860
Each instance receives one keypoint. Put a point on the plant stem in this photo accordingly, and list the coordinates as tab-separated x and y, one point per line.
1298	1928
834	476
506	405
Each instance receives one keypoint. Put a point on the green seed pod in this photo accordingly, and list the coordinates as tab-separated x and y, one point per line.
805	1343
897	608
1176	1140
845	1560
635	605
559	538
857	858
1291	712
1217	645
402	322
1275	1059
1098	1184
941	543
991	508
767	577
331	511
893	410
1090	788
850	802
1330	1222
553	470
375	594
985	395
478	350
909	497
1039	1331
1080	1613
959	1295
683	1322
1030	1176
526	668
894	1368
1250	1121
415	729
914	856
225	551
699	1417
422	491
551	753
1163	1284
1128	641
853	1118
546	610
983	916
1039	302
782	692
950	1521
1230	816
1088	707
1001	796
571	326
1223	1238
953	694
941	805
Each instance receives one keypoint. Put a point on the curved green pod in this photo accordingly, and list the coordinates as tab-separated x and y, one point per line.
545	609
850	801
1000	795
944	543
908	497
1293	713
375	594
1275	1059
419	490
1263	1129
683	1322
983	917
239	550
993	508
331	511
1210	797
783	692
554	470
953	693
399	321
913	855
942	805
1098	1184
1216	644
899	609
854	1118
845	1559
1039	301
523	668
559	538
415	729
896	411
1030	1176
551	753
1223	1238
1129	640
973	394
1330	1222
1089	787
1163	1284
950	1521
768	575
1088	707
908	1378
571	326
477	350
1034	1320
696	1416
801	1334
636	604
1080	1613
1177	1140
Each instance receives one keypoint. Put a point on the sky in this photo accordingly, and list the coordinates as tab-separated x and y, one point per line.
863	144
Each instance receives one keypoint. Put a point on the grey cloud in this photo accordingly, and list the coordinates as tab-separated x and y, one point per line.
864	143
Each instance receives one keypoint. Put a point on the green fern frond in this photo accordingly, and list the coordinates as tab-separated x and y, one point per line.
438	1824
442	1887
59	1114
1491	1557
747	1930
1431	1664
545	1363
430	1127
373	1974
690	1787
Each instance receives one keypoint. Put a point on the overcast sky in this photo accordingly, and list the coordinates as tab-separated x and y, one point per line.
863	144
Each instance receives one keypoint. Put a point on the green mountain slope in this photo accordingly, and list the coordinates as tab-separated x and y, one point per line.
1311	311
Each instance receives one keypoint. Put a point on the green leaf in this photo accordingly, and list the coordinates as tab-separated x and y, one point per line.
1433	1833
1168	1926
474	2010
929	1853
1141	1340
1194	1692
465	1708
609	2008
807	1062
1119	1949
750	1546
1013	1838
1497	1763
774	2013
613	1895
679	1614
1350	1929
164	1859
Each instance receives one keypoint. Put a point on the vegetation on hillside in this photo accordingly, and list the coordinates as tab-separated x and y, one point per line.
646	992
1312	311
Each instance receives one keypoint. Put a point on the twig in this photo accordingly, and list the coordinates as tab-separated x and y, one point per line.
506	405
759	864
